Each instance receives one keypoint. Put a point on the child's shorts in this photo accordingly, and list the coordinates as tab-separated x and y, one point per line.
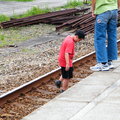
67	74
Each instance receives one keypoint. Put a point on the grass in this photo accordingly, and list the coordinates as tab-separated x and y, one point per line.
33	11
16	35
6	37
4	18
18	0
10	37
73	4
3	41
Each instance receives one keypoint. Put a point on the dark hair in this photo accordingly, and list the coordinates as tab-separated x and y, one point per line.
80	34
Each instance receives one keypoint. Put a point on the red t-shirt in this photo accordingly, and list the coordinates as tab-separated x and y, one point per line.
66	47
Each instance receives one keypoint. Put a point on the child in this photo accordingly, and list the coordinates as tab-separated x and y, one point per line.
65	59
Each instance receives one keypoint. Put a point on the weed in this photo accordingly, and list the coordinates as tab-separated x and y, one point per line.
18	0
34	11
73	4
2	37
4	18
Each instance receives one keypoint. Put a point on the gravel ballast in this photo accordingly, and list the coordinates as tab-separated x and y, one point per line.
36	56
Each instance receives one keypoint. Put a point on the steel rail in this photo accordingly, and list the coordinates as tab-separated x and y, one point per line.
40	17
38	81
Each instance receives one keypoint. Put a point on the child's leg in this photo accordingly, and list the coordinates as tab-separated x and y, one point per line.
65	84
61	79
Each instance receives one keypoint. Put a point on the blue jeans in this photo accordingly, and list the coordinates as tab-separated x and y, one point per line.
105	39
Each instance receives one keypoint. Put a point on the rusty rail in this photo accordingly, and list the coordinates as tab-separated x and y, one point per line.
43	18
71	19
38	81
41	80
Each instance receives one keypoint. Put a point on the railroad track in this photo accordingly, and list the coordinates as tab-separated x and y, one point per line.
21	101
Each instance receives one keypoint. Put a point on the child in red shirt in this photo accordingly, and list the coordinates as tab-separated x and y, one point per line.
65	59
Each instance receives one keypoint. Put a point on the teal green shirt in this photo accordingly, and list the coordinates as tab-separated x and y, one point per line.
105	5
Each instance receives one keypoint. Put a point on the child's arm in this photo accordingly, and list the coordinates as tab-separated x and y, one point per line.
67	61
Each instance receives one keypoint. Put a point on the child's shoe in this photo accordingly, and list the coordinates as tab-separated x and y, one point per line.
58	83
61	91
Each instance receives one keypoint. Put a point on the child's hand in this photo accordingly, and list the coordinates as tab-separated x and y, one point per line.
67	67
93	15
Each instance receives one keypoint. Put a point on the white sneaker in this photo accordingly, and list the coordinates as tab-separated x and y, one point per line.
100	67
111	66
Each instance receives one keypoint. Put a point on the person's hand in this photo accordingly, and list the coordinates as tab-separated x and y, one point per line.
67	67
93	15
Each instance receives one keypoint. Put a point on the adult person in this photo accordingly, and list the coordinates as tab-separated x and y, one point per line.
106	13
65	59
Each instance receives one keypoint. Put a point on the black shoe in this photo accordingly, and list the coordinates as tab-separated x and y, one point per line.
61	91
58	83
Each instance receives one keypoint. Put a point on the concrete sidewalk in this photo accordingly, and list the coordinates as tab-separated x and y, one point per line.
11	8
96	97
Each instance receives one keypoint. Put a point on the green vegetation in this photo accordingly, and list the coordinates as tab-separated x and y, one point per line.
18	0
3	41
73	4
33	11
16	35
4	18
10	37
88	2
